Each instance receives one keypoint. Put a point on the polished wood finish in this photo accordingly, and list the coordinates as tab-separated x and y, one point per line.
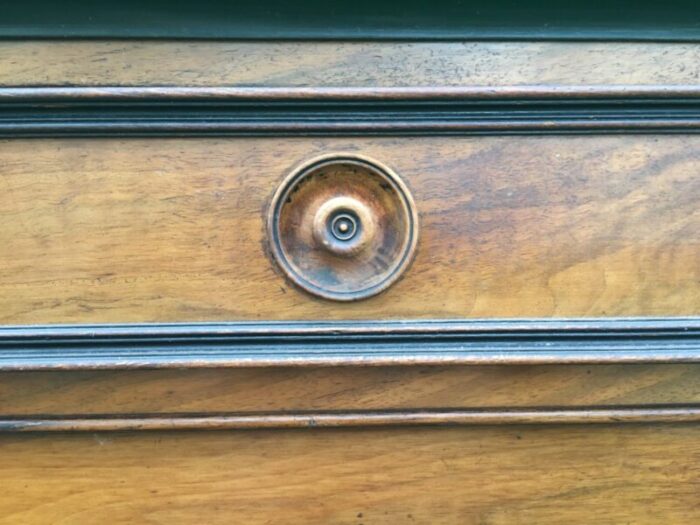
117	229
473	475
349	64
174	230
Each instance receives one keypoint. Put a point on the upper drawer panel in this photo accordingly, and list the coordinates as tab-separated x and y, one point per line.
111	230
146	197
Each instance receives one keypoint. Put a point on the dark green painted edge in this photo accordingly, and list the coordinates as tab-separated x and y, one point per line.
645	20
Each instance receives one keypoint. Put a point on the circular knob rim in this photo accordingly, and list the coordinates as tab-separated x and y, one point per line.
300	172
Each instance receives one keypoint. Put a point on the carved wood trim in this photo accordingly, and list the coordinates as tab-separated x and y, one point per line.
502	342
680	414
327	111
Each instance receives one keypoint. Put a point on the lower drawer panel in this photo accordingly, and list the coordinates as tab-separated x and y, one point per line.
160	230
473	475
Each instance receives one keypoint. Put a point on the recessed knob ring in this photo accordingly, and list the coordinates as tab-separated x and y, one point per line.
343	227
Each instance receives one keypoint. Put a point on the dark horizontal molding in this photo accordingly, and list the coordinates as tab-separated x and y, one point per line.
544	416
353	19
306	343
299	111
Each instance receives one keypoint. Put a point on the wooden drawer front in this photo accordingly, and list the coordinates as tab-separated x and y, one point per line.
536	194
157	230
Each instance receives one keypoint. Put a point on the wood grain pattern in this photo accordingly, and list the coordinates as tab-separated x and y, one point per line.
173	229
271	390
349	64
609	475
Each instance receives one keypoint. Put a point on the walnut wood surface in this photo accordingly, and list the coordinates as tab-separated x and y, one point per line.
161	230
174	229
344	389
346	64
473	475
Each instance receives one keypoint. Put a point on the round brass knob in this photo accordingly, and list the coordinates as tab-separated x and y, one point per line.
343	227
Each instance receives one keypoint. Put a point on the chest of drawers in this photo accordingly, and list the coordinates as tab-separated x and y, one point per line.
315	279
